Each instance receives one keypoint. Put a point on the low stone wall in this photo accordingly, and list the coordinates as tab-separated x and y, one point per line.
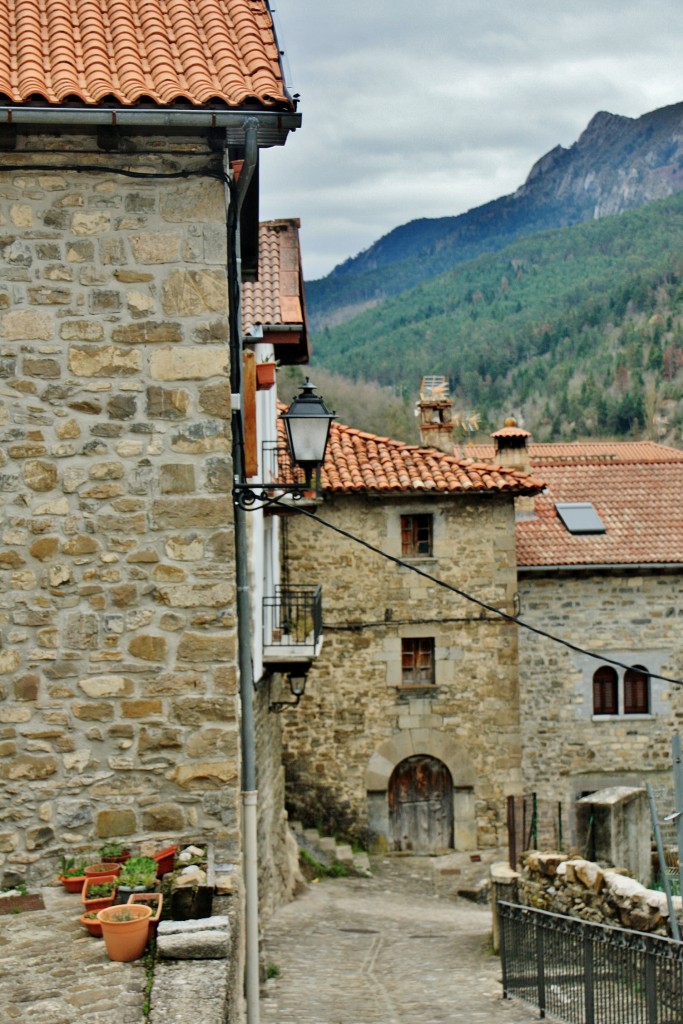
580	888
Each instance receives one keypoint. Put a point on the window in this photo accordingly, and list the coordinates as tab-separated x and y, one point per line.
636	691
606	691
629	695
417	661
416	535
580	517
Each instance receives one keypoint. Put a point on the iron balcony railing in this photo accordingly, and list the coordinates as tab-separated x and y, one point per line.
293	622
585	973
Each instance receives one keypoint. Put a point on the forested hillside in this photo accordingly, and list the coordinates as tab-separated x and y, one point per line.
618	163
577	331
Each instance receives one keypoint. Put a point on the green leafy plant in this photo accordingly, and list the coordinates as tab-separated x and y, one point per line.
112	849
313	869
100	890
71	867
138	871
272	971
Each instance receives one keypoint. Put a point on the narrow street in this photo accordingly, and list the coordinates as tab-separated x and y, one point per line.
397	948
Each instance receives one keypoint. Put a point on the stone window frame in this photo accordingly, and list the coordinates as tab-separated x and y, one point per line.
418	663
613	692
652	660
417	530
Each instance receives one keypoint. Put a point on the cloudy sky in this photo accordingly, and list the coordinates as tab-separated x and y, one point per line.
427	109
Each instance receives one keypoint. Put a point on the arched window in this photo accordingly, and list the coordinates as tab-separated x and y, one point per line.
636	691
605	691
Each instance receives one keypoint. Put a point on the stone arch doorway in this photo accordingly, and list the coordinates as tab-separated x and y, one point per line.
431	743
421	805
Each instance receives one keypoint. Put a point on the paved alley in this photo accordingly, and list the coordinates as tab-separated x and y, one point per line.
397	948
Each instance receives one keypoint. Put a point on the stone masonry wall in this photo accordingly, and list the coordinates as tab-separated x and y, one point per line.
579	888
117	633
354	702
631	617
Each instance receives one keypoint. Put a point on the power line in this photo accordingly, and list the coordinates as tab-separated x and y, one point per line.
462	593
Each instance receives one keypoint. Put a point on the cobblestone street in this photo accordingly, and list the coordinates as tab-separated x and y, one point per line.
397	948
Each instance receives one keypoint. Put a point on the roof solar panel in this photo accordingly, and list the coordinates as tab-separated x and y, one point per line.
580	517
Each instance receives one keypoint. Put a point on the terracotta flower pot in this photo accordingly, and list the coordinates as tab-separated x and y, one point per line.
165	860
98	902
72	883
125	930
155	901
265	376
91	924
104	868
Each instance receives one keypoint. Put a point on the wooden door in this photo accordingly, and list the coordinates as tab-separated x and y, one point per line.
421	805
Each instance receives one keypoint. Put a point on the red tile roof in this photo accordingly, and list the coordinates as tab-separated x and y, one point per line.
598	452
356	461
636	490
276	301
92	51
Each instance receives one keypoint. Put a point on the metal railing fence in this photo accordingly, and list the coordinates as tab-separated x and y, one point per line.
293	616
585	973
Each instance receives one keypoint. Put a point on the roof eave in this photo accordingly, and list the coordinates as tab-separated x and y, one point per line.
600	567
273	125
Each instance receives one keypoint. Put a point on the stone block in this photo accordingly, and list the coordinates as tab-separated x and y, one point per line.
118	821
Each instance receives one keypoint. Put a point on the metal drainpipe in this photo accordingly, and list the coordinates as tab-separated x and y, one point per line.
249	793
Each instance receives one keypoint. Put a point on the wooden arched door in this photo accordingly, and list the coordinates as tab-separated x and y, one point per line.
421	805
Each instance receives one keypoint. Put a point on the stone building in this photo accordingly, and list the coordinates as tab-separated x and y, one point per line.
123	221
600	565
409	729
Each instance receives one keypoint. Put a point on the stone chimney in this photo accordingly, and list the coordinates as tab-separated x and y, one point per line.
512	451
435	410
512	446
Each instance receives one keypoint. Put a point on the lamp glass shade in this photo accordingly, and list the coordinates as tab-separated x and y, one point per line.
307	423
297	684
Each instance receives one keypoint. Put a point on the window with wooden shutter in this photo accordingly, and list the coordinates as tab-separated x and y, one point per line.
636	691
417	661
605	691
416	535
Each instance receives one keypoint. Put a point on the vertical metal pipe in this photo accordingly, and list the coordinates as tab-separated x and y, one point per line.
249	794
678	792
662	862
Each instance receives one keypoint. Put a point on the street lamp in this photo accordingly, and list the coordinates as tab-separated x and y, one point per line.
296	676
307	423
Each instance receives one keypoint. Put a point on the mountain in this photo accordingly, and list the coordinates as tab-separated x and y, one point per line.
618	163
577	331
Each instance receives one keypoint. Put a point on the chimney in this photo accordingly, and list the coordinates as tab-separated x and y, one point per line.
512	446
435	411
512	451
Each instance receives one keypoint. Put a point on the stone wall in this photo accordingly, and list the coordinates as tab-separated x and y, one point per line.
632	617
356	721
579	888
278	854
117	630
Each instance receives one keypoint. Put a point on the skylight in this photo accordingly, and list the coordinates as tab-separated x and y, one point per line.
580	517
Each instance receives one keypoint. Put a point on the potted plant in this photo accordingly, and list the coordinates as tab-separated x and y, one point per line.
265	376
99	892
138	874
165	860
155	900
125	929
114	852
72	873
91	924
101	868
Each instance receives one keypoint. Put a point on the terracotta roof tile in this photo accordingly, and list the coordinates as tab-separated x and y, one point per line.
638	502
357	461
598	452
161	50
277	298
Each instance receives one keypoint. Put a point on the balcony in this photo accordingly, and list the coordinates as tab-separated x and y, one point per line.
292	626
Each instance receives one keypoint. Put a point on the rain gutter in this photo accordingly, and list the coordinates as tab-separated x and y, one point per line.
603	567
273	125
